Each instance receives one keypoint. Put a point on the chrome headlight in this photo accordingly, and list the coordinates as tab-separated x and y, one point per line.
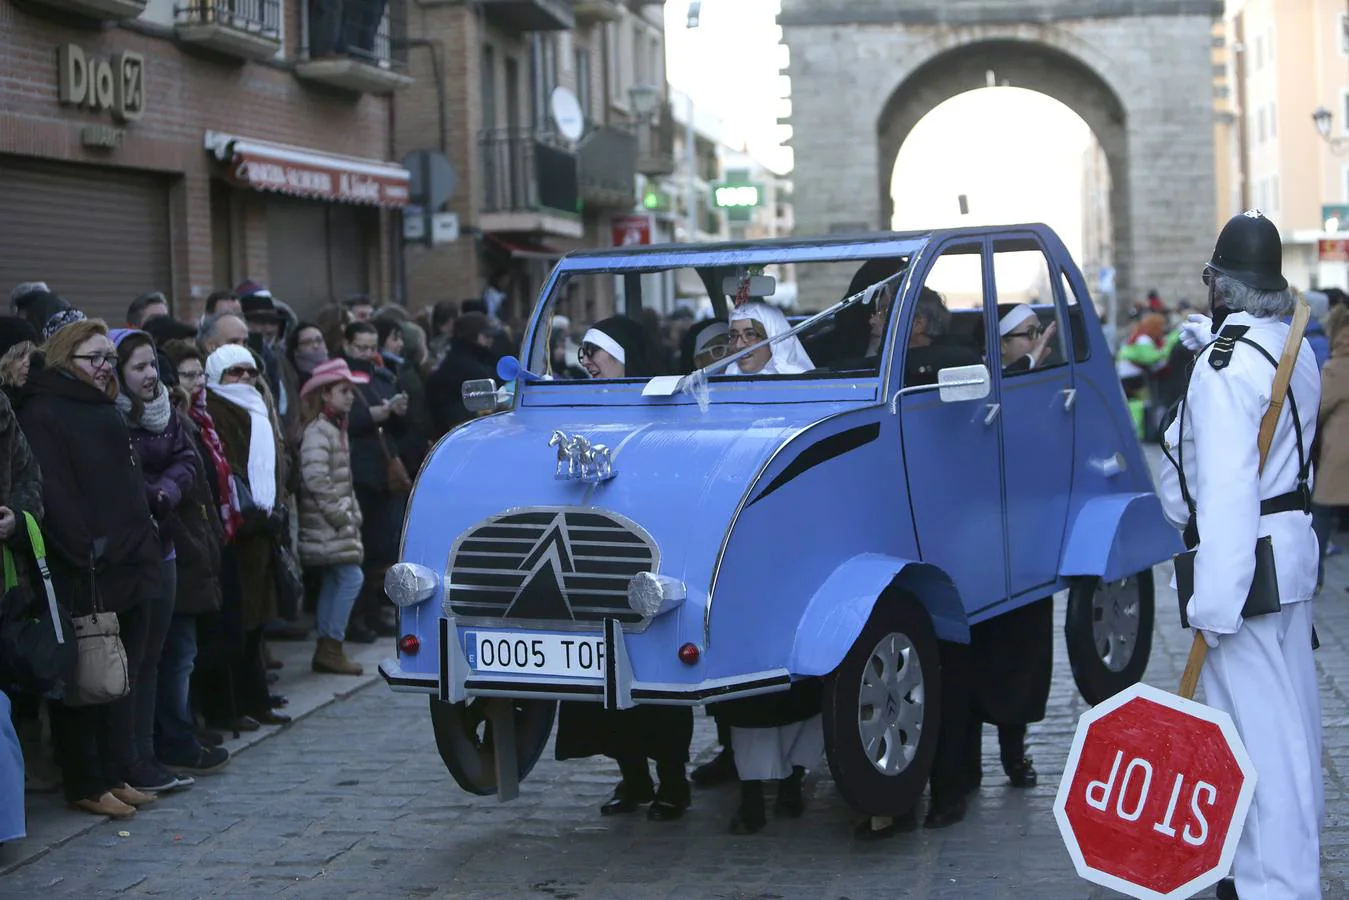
408	584
651	594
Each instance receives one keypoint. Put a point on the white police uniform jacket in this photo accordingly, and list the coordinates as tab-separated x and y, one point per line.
1261	671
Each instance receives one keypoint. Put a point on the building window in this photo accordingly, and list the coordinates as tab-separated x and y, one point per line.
1344	34
1259	52
1273	122
613	67
1344	110
1259	126
583	83
489	86
1344	172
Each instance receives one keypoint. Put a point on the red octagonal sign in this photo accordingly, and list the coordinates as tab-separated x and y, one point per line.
1154	794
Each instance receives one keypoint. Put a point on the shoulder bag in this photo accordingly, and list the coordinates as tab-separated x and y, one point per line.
101	674
37	642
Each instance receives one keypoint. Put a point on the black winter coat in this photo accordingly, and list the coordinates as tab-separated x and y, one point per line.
93	491
467	361
369	468
198	535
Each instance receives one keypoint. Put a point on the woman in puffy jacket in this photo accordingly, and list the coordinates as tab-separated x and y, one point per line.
330	517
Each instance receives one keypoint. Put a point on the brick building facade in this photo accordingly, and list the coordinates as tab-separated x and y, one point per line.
184	148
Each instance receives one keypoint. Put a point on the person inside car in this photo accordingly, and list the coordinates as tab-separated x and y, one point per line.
711	344
1025	345
615	348
755	322
931	346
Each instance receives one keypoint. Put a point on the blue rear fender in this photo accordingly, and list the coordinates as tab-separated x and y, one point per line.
1116	535
839	610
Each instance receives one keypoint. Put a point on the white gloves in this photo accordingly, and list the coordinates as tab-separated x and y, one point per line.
1197	332
1210	638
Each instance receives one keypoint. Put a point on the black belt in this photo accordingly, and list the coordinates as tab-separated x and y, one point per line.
1299	500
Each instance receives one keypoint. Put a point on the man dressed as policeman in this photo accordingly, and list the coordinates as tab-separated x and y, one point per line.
1259	668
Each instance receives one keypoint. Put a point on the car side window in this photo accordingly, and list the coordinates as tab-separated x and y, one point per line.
945	327
1030	334
1076	325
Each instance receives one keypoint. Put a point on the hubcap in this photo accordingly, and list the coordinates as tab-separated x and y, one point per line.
1114	627
890	704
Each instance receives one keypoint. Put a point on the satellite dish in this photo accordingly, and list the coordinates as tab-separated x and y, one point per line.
567	113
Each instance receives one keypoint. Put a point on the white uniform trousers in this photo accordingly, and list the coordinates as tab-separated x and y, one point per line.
1265	679
768	754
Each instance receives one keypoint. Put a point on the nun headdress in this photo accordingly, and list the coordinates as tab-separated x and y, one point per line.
789	357
622	338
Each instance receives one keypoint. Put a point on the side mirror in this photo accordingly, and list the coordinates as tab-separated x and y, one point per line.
480	395
960	383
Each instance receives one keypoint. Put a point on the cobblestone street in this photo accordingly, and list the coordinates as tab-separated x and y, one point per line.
353	801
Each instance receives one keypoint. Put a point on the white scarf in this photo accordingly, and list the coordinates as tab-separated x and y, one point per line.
155	415
261	448
789	356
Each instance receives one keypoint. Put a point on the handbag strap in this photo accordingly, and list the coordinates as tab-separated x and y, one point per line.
39	554
379	429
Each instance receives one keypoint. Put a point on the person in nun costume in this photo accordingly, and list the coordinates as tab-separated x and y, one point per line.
616	348
754	322
775	737
1025	345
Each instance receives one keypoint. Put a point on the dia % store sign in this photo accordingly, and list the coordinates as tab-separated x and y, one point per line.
1154	795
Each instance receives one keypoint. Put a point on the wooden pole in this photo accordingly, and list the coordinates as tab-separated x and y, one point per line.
1189	681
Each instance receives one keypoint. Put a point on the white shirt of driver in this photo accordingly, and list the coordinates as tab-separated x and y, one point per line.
1223	409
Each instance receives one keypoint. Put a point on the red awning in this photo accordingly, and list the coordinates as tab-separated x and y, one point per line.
299	172
523	248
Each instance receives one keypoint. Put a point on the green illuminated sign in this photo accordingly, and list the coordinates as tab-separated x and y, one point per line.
736	196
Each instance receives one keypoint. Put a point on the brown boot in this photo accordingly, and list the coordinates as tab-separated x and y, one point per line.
328	657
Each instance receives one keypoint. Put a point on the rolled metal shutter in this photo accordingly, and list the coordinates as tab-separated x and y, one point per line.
317	252
98	237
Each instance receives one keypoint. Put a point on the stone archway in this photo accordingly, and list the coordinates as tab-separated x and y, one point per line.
1032	66
863	72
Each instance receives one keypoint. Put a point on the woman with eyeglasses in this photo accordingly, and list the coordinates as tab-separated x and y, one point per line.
615	347
100	536
1025	345
754	322
251	439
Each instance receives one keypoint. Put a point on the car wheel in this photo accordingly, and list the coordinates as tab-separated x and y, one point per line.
464	738
1108	630
882	709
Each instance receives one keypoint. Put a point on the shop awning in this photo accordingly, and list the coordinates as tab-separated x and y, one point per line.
265	166
523	248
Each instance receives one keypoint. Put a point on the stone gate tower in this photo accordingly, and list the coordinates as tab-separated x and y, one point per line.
1139	72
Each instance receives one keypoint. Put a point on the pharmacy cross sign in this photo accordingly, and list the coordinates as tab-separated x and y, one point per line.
1154	794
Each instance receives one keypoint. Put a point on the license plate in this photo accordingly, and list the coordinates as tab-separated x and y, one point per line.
575	656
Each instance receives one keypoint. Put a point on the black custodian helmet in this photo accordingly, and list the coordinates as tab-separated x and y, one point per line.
1250	250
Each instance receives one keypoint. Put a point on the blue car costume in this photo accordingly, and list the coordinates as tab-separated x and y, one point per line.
620	541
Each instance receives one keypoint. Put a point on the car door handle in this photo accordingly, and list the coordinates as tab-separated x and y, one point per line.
1069	398
993	410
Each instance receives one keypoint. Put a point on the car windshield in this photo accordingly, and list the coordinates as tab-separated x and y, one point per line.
725	321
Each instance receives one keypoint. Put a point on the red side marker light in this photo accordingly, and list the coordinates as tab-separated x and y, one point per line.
689	654
409	644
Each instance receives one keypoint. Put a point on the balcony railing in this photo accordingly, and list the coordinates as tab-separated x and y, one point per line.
524	170
608	166
247	28
358	45
521	16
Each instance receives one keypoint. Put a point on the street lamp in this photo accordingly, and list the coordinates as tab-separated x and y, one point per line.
644	98
1323	119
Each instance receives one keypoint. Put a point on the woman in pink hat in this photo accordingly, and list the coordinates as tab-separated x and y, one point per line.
330	517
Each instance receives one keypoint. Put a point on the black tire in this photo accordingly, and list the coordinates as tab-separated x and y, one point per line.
464	738
892	784
1108	631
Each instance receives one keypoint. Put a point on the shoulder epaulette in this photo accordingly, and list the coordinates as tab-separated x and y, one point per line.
1221	353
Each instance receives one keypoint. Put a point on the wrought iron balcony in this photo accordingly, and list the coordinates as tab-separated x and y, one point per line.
355	45
608	158
531	15
103	10
248	29
656	143
526	171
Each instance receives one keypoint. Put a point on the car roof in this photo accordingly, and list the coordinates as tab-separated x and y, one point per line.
824	247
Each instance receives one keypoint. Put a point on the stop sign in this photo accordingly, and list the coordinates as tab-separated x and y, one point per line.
1154	794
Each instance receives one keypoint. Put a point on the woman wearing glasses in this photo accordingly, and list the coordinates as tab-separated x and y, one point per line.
1025	345
99	533
251	439
755	322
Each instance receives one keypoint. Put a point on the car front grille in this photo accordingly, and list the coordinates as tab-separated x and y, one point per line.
549	564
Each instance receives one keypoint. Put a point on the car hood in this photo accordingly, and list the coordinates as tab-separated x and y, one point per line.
678	475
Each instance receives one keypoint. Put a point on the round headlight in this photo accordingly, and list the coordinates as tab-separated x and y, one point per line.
408	584
650	594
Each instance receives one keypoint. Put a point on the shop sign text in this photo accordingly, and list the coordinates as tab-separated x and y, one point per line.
115	85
